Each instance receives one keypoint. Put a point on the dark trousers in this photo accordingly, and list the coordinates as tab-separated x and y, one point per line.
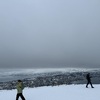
89	82
20	95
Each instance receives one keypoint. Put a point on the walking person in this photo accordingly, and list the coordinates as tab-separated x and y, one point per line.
88	77
20	88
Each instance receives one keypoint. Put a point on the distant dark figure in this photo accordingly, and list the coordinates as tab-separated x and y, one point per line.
88	77
20	88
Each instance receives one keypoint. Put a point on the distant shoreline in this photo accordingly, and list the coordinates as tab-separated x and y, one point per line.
37	78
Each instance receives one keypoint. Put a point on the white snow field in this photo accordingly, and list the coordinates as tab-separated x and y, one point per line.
63	92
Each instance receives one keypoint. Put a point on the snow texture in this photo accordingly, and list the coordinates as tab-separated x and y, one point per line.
63	92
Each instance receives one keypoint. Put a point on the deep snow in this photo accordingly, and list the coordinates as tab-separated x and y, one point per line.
63	92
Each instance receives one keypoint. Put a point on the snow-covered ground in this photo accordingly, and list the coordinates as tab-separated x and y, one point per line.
64	92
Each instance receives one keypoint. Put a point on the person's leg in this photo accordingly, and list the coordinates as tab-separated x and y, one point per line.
87	84
17	96
21	95
91	84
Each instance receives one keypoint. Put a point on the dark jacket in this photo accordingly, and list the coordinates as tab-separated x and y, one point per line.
88	77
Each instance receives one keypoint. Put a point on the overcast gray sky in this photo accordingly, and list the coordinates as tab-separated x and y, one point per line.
49	33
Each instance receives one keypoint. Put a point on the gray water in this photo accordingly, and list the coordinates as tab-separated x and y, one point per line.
15	74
